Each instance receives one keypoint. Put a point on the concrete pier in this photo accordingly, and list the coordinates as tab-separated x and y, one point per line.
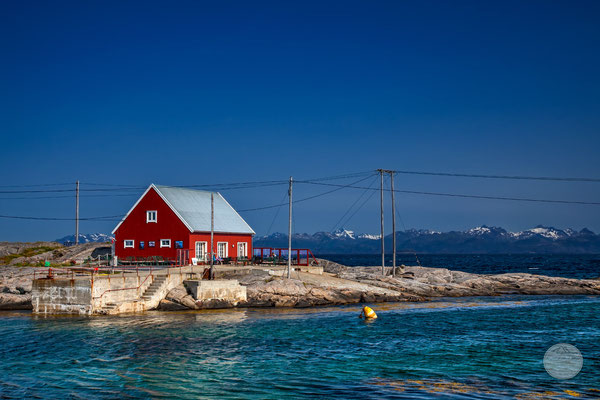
122	291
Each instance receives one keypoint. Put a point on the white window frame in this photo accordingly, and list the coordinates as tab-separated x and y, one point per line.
165	245
226	249
125	246
245	249
148	214
201	257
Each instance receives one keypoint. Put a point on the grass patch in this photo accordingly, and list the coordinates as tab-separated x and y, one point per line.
28	252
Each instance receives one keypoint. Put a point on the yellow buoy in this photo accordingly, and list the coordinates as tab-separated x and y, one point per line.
368	313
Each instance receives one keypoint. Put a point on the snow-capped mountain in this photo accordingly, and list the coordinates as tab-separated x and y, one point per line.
343	233
368	236
547	232
86	238
481	239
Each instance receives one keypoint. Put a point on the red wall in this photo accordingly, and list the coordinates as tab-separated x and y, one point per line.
230	238
135	227
169	226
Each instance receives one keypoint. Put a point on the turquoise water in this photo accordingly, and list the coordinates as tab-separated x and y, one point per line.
458	348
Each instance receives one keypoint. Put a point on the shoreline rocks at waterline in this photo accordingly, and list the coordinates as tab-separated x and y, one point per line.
337	285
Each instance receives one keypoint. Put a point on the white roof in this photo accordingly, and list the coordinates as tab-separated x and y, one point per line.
193	208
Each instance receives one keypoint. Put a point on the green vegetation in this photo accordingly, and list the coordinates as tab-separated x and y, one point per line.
28	252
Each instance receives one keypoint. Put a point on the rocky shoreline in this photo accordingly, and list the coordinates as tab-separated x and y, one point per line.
350	285
338	285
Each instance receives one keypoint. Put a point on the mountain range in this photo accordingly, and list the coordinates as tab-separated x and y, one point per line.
86	238
482	239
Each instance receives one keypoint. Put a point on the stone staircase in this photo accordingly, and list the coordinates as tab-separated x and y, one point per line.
109	308
149	299
155	287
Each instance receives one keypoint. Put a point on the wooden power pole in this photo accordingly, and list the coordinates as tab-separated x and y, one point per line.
393	225
211	272
289	271
77	213
381	171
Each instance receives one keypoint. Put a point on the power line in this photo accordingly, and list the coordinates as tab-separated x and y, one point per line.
120	187
514	177
359	208
69	196
352	206
105	218
340	187
39	185
276	214
464	195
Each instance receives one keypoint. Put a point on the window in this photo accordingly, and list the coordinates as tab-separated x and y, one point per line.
152	244
129	243
201	251
151	216
165	242
142	245
179	244
222	249
242	249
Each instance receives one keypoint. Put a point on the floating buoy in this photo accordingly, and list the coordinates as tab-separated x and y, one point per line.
368	313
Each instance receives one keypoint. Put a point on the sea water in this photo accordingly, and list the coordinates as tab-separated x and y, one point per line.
444	349
579	266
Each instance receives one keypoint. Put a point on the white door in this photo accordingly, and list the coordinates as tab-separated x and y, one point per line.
222	249
242	249
201	251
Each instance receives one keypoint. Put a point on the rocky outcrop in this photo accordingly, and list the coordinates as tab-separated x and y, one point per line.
31	254
438	282
303	290
337	285
15	288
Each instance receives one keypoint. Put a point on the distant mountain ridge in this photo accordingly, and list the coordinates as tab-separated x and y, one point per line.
86	238
481	239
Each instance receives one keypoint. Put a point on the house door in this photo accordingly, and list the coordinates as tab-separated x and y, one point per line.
201	251
242	250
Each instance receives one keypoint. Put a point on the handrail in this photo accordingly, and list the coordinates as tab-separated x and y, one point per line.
129	288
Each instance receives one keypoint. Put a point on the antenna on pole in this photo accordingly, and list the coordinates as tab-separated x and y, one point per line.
381	171
77	213
289	271
393	225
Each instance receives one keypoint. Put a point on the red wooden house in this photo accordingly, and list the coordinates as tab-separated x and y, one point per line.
167	220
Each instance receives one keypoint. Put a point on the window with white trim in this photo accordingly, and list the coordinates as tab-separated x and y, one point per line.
222	249
151	216
129	243
242	250
201	251
165	242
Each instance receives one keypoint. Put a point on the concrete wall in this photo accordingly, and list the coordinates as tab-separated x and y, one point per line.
62	296
84	296
119	288
228	292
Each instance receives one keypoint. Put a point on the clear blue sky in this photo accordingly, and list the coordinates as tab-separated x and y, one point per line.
199	92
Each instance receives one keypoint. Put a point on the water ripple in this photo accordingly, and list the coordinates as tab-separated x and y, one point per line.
455	349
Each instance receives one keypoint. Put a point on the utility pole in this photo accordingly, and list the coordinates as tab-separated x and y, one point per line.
77	213
393	225
211	272
381	171
289	271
